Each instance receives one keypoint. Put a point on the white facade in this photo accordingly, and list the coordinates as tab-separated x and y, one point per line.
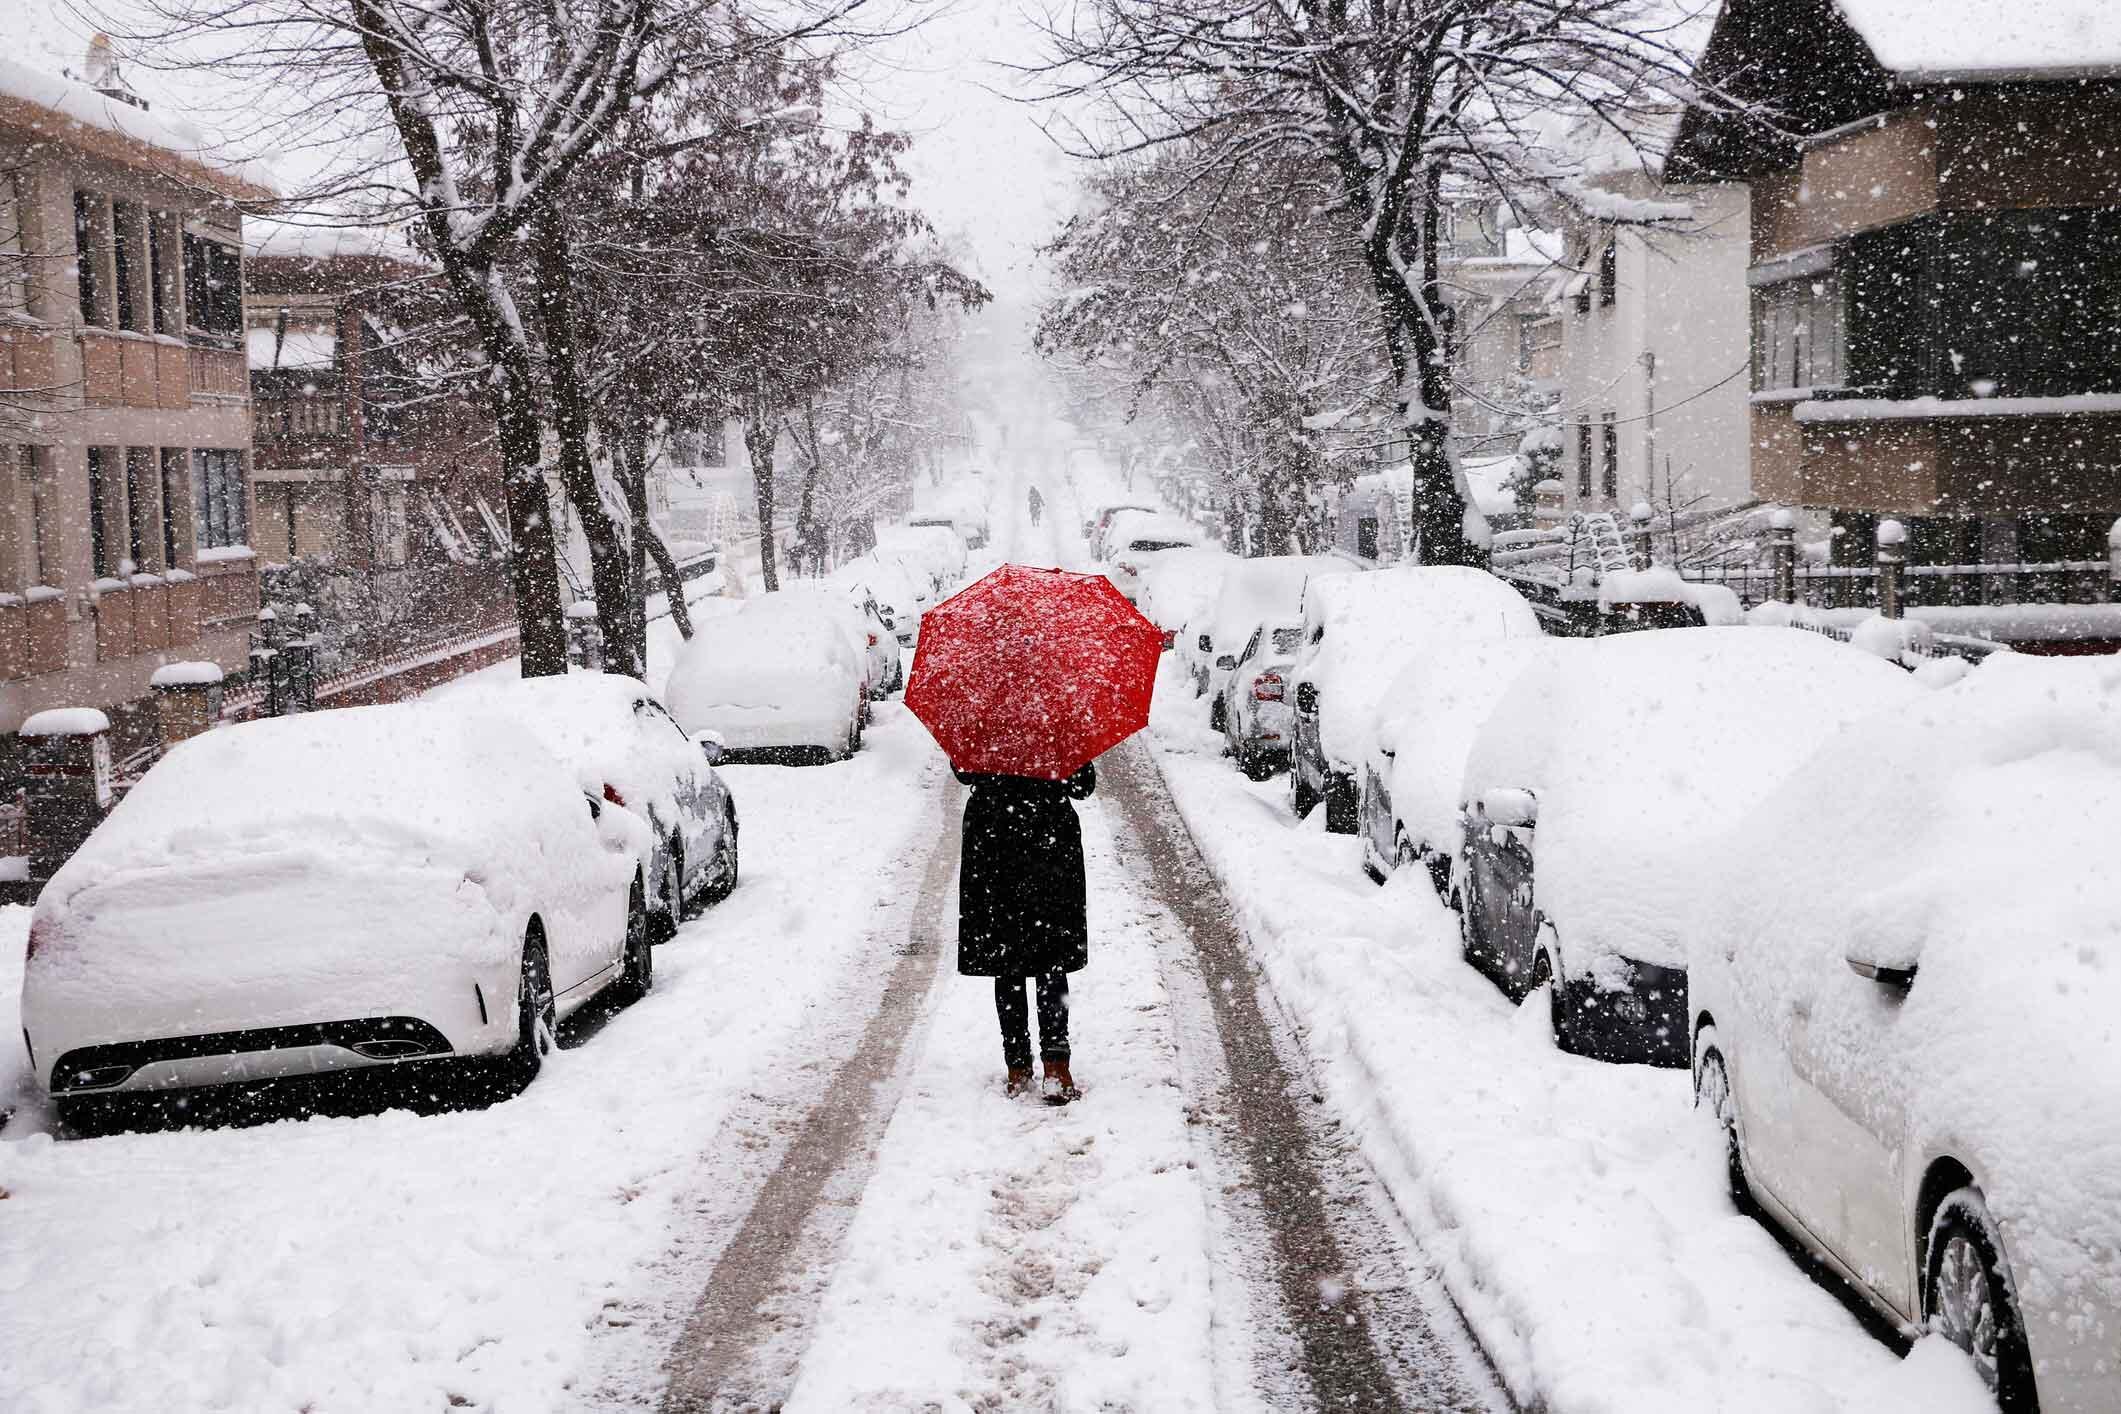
1654	357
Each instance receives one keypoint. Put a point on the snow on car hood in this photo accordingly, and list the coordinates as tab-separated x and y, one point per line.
1641	746
1969	832
1178	585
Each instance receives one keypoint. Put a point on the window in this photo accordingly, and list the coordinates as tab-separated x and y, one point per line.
159	226
1609	478
173	501
1609	272
88	254
1286	639
14	250
213	286
99	480
1583	461
126	242
1251	645
23	548
220	516
40	558
1798	334
140	505
390	526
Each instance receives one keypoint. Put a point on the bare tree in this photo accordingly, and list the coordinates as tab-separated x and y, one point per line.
1405	103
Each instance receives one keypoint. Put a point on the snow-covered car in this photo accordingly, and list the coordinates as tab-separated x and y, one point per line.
900	593
1101	519
1179	587
1590	791
971	530
1254	592
623	747
1252	704
1360	631
1407	801
1905	973
375	886
1136	539
937	550
783	687
875	645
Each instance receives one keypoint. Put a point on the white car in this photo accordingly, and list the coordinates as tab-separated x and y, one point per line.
1268	588
374	886
968	529
876	645
938	550
780	687
623	747
1101	520
1590	790
1252	708
1905	976
1415	762
1136	539
900	593
1360	630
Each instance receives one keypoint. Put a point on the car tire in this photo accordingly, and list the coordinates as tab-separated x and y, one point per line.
725	861
1218	715
663	921
637	974
1545	973
537	1013
1712	1095
1257	765
1343	806
1302	799
1969	1299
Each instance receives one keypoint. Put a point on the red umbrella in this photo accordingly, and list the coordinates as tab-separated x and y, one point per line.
1033	672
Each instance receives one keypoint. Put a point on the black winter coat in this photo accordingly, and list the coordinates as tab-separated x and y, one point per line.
1020	897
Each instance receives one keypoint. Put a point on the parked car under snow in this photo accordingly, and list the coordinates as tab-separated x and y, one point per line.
1905	973
375	886
1136	539
623	747
1257	591
1359	631
1591	788
781	687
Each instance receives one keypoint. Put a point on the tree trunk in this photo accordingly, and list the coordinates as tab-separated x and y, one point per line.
759	437
610	570
647	540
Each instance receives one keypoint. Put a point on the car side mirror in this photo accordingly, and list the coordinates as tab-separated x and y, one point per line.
1388	736
711	746
1226	662
1506	805
1899	974
596	807
1306	697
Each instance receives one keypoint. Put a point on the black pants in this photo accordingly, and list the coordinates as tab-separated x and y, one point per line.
1016	1028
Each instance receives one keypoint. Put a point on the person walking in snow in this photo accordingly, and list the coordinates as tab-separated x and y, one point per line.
1038	504
1022	914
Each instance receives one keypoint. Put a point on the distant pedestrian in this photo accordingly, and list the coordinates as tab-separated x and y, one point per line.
1038	505
1022	913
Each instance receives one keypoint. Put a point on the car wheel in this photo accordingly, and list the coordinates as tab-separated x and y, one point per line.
637	979
1545	974
1969	1300
87	1116
1712	1096
537	1015
1342	805
1302	799
1257	765
1218	717
725	861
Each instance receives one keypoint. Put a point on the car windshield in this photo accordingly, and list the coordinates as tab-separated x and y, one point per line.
1158	706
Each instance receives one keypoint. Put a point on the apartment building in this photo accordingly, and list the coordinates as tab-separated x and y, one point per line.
1934	271
125	495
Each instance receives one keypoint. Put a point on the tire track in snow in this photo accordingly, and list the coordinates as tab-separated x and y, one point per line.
1367	1337
781	1177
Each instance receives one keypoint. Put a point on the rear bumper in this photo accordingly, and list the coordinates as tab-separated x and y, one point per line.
757	729
238	1057
1643	1023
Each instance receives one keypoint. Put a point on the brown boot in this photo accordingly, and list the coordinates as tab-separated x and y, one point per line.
1019	1081
1058	1088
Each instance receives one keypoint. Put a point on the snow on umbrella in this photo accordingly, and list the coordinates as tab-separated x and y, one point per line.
1033	672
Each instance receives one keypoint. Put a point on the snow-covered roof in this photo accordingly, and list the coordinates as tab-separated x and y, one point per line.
1989	39
55	106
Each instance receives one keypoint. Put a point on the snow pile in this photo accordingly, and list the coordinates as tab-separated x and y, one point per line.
186	675
1641	745
65	721
1261	590
1969	834
1430	716
1660	584
1361	629
1143	528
